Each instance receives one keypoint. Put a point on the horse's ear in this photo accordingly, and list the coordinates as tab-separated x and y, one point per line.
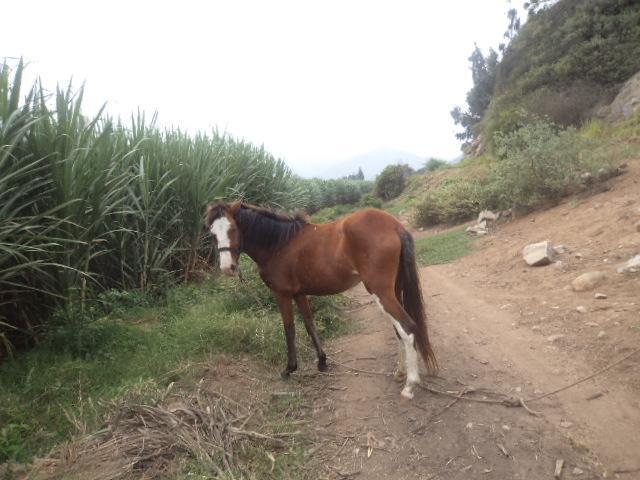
234	207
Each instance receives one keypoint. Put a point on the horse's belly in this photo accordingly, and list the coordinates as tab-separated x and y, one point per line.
329	285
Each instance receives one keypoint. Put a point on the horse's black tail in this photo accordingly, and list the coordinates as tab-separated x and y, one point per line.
410	295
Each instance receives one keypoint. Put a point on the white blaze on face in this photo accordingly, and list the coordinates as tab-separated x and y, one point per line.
410	354
220	228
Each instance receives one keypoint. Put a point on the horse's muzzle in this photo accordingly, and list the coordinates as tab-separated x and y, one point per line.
232	271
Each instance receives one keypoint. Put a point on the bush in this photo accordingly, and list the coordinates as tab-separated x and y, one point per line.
391	182
370	200
541	162
434	164
537	163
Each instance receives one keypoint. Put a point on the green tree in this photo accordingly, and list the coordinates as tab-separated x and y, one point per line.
483	73
391	181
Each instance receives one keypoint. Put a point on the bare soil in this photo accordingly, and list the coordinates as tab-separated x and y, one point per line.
500	326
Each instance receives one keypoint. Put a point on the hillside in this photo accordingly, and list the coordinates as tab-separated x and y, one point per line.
567	61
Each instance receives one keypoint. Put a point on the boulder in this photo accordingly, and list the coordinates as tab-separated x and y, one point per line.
627	103
477	230
487	215
588	281
632	265
538	254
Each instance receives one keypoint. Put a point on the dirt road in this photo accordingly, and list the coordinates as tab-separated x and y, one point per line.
367	431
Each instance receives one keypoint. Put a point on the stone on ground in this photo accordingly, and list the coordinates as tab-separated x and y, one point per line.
632	265
487	215
538	254
588	281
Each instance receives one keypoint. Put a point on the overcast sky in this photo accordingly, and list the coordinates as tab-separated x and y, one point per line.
315	82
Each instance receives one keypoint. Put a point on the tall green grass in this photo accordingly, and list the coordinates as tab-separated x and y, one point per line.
134	349
91	203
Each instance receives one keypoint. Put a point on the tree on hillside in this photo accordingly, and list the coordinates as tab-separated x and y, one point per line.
483	73
391	181
355	176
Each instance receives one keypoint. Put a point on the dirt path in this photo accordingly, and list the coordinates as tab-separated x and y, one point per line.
366	429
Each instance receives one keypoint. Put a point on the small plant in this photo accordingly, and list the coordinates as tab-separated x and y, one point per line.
391	182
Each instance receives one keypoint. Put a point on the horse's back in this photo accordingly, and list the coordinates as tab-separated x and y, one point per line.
372	222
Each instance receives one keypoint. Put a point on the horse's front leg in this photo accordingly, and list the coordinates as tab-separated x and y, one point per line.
303	305
286	310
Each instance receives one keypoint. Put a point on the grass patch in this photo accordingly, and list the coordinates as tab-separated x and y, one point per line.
443	247
67	380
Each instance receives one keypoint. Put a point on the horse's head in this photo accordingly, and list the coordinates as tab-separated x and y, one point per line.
222	225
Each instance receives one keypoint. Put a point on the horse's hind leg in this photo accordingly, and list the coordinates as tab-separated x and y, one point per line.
303	305
404	327
400	373
286	310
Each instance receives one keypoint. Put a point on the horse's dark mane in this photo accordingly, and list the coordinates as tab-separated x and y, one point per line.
267	228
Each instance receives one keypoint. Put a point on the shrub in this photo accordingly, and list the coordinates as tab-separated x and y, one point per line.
370	200
537	163
434	164
540	162
391	182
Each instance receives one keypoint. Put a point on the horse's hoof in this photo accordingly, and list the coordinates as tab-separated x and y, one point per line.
322	366
407	393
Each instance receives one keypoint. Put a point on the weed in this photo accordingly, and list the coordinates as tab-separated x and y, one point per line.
443	247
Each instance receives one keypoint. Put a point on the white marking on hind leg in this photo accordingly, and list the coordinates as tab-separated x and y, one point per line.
400	373
411	356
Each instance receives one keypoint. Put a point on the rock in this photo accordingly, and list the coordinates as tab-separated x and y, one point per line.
602	334
627	102
555	338
565	424
592	324
482	224
559	249
577	471
578	255
538	254
588	281
558	264
536	328
581	309
477	230
487	215
632	265
600	296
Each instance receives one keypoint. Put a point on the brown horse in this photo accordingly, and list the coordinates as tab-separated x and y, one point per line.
297	258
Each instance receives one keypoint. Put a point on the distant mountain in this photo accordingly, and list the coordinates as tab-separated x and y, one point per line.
372	163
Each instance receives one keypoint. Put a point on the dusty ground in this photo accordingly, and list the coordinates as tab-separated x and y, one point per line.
492	318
